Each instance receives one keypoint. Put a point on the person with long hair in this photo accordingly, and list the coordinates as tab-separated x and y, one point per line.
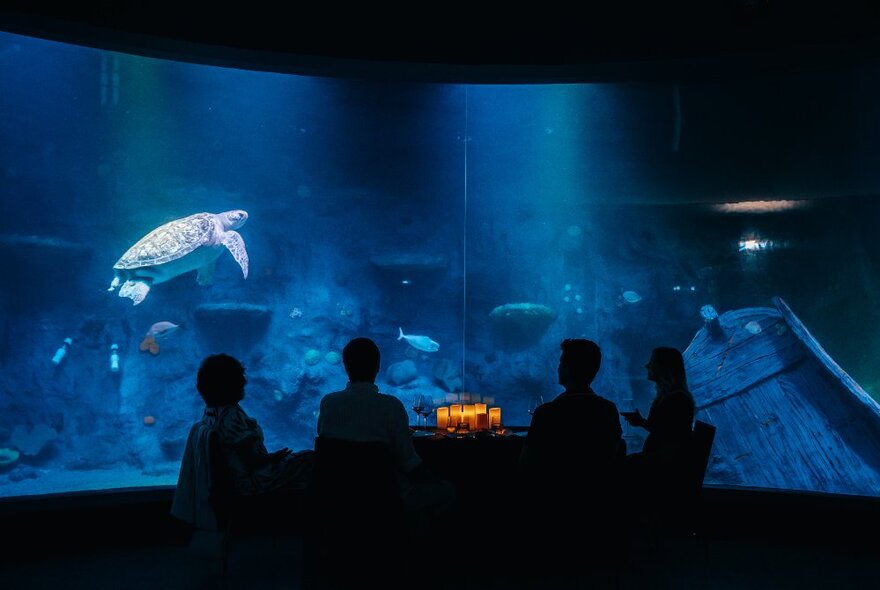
663	468
671	417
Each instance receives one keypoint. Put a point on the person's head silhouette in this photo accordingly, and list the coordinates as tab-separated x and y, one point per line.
666	369
221	380
361	360
578	363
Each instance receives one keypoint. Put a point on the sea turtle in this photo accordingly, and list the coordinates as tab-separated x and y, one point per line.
179	246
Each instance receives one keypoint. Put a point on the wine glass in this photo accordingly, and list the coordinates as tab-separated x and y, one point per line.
427	408
418	406
534	402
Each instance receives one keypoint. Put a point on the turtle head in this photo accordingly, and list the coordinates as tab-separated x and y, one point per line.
233	219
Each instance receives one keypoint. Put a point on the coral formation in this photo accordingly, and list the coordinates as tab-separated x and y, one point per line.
31	441
312	357
401	373
448	374
520	325
149	343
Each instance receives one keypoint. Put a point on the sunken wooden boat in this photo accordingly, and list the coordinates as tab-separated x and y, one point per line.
788	416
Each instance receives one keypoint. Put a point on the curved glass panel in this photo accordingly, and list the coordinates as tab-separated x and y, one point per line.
467	229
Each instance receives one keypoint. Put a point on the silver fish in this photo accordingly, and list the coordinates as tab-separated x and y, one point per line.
422	343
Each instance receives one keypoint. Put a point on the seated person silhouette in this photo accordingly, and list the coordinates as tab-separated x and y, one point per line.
237	464
360	413
573	451
663	465
253	469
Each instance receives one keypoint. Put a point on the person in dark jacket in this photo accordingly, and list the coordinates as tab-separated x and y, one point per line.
571	458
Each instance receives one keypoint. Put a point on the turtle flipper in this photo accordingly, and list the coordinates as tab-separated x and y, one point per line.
235	244
205	275
134	290
114	283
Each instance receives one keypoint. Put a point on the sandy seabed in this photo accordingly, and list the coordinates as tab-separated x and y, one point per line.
55	482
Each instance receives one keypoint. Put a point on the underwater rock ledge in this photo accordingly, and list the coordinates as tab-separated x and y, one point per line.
233	324
405	262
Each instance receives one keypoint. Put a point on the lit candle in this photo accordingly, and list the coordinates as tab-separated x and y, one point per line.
456	414
481	417
469	413
494	417
442	417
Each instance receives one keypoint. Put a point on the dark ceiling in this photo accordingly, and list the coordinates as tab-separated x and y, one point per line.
514	42
778	98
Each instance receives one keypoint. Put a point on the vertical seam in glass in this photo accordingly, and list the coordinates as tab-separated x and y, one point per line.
464	246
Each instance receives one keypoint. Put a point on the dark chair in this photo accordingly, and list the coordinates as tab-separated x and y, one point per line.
703	438
356	520
682	542
228	514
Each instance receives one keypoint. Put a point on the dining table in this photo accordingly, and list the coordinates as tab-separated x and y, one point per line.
483	465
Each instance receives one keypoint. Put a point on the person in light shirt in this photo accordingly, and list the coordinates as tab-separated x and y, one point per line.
361	413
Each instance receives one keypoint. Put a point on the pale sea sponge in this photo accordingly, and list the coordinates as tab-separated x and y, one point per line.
8	457
312	357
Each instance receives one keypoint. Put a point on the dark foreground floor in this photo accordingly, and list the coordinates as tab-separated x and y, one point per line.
257	562
749	539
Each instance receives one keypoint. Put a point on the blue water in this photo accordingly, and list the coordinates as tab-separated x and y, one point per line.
378	206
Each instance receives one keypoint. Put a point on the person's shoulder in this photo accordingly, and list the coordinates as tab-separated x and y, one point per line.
390	400
331	397
231	412
604	402
551	408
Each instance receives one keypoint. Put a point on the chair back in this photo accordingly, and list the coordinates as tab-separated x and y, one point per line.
703	437
355	512
354	479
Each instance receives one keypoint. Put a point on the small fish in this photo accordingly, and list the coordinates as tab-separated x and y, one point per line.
422	343
631	297
160	329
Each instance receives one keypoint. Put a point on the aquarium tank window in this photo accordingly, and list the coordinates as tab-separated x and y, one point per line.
158	211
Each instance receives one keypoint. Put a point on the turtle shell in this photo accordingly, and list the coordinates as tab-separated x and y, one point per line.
169	242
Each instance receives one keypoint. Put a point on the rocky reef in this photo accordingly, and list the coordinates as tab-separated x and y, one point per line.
236	327
517	326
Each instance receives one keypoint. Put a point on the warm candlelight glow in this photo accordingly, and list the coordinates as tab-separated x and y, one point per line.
456	414
442	417
469	419
481	415
494	417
